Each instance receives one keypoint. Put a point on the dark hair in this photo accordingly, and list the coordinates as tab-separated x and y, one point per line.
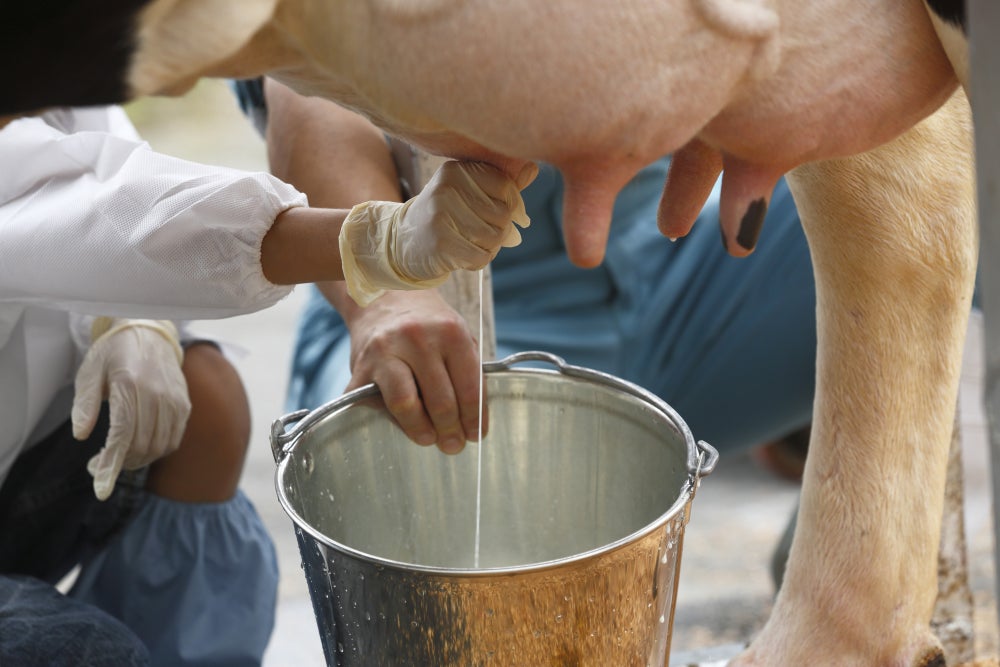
65	52
950	11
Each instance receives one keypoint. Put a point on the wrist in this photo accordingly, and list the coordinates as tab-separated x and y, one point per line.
109	326
367	245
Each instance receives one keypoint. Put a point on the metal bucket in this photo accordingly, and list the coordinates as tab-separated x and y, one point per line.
587	483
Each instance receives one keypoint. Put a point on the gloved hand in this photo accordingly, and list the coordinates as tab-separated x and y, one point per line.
460	220
136	366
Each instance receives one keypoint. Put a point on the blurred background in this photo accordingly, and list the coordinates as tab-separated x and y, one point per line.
739	514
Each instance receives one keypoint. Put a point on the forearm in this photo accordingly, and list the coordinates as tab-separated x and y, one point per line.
302	246
334	155
337	157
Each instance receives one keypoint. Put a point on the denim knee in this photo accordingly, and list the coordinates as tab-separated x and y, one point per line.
39	627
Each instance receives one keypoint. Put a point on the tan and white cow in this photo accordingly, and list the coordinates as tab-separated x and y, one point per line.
855	98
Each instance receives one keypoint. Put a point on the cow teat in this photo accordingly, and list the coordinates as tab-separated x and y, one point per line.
588	203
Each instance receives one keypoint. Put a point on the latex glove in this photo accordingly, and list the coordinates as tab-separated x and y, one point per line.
425	361
136	366
460	220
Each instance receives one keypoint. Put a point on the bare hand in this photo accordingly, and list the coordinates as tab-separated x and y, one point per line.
421	354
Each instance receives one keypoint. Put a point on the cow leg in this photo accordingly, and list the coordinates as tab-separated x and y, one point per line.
893	238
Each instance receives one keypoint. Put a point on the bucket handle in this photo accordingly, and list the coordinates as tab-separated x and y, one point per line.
281	442
278	437
518	357
699	465
708	456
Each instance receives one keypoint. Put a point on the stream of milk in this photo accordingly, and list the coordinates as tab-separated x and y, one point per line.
479	462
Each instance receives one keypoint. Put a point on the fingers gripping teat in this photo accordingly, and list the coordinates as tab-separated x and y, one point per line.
746	193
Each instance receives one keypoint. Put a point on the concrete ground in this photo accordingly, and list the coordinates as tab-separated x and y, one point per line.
725	588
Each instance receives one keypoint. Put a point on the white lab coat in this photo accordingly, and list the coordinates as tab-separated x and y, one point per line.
94	222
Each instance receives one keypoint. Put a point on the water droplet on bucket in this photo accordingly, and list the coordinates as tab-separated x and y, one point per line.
663	618
340	647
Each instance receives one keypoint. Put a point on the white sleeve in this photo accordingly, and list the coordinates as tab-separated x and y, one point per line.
99	223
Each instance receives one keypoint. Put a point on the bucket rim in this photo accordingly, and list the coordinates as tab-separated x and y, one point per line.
702	459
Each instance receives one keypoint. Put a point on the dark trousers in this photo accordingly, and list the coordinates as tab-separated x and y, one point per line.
50	520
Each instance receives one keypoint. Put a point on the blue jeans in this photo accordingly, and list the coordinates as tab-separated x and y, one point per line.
41	627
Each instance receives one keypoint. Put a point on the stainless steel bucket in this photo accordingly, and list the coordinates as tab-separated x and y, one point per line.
587	483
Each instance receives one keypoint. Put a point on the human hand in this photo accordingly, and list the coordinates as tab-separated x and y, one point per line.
425	361
136	366
460	220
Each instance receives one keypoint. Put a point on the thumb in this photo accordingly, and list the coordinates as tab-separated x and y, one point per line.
88	394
